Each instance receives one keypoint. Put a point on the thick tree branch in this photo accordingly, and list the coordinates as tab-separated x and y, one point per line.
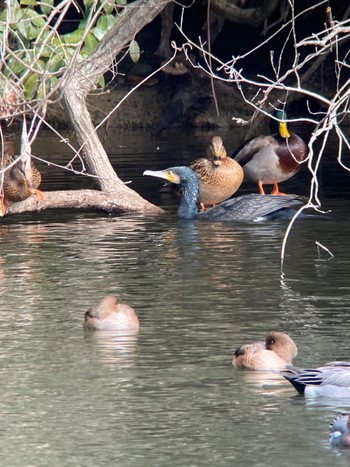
83	199
82	78
135	17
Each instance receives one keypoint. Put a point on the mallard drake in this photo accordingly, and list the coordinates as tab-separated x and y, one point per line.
21	178
275	353
110	315
274	158
339	431
252	207
219	175
330	380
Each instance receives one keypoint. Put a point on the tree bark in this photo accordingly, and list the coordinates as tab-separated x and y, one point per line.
81	80
83	199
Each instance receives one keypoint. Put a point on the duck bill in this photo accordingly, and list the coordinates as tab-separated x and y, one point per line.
283	130
217	161
30	186
165	174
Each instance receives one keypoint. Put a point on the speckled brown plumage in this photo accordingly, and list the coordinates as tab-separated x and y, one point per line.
20	181
219	175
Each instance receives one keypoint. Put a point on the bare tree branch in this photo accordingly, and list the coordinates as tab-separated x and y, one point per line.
78	75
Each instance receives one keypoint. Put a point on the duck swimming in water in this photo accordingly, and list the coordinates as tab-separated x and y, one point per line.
339	431
252	207
219	175
271	159
275	353
110	315
330	380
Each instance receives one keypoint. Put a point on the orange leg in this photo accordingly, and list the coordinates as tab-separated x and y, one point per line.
276	191
39	194
261	189
202	206
3	206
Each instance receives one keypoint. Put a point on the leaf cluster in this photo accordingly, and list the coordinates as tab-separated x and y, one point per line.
35	54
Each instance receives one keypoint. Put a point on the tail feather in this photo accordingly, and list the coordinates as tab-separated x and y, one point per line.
298	385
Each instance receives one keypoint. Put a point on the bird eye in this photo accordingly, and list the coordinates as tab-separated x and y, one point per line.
239	352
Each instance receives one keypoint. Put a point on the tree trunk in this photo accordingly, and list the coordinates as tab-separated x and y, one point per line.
82	78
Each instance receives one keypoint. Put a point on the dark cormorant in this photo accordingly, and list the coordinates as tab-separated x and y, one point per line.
251	207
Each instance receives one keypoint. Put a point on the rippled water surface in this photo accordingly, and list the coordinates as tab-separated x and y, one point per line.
169	396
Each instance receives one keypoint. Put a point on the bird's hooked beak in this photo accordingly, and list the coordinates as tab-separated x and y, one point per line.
165	174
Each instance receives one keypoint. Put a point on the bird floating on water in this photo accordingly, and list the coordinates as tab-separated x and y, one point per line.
330	380
339	431
248	208
277	351
271	159
110	315
219	175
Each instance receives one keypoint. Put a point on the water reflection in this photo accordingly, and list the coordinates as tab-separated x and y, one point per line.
113	347
168	396
265	382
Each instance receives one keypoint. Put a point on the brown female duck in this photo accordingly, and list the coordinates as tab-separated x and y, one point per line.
219	175
21	178
271	159
275	353
110	315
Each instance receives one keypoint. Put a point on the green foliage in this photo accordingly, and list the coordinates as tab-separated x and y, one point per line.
90	44
46	7
36	54
134	51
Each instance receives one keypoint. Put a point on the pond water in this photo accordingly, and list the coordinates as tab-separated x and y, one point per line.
169	396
